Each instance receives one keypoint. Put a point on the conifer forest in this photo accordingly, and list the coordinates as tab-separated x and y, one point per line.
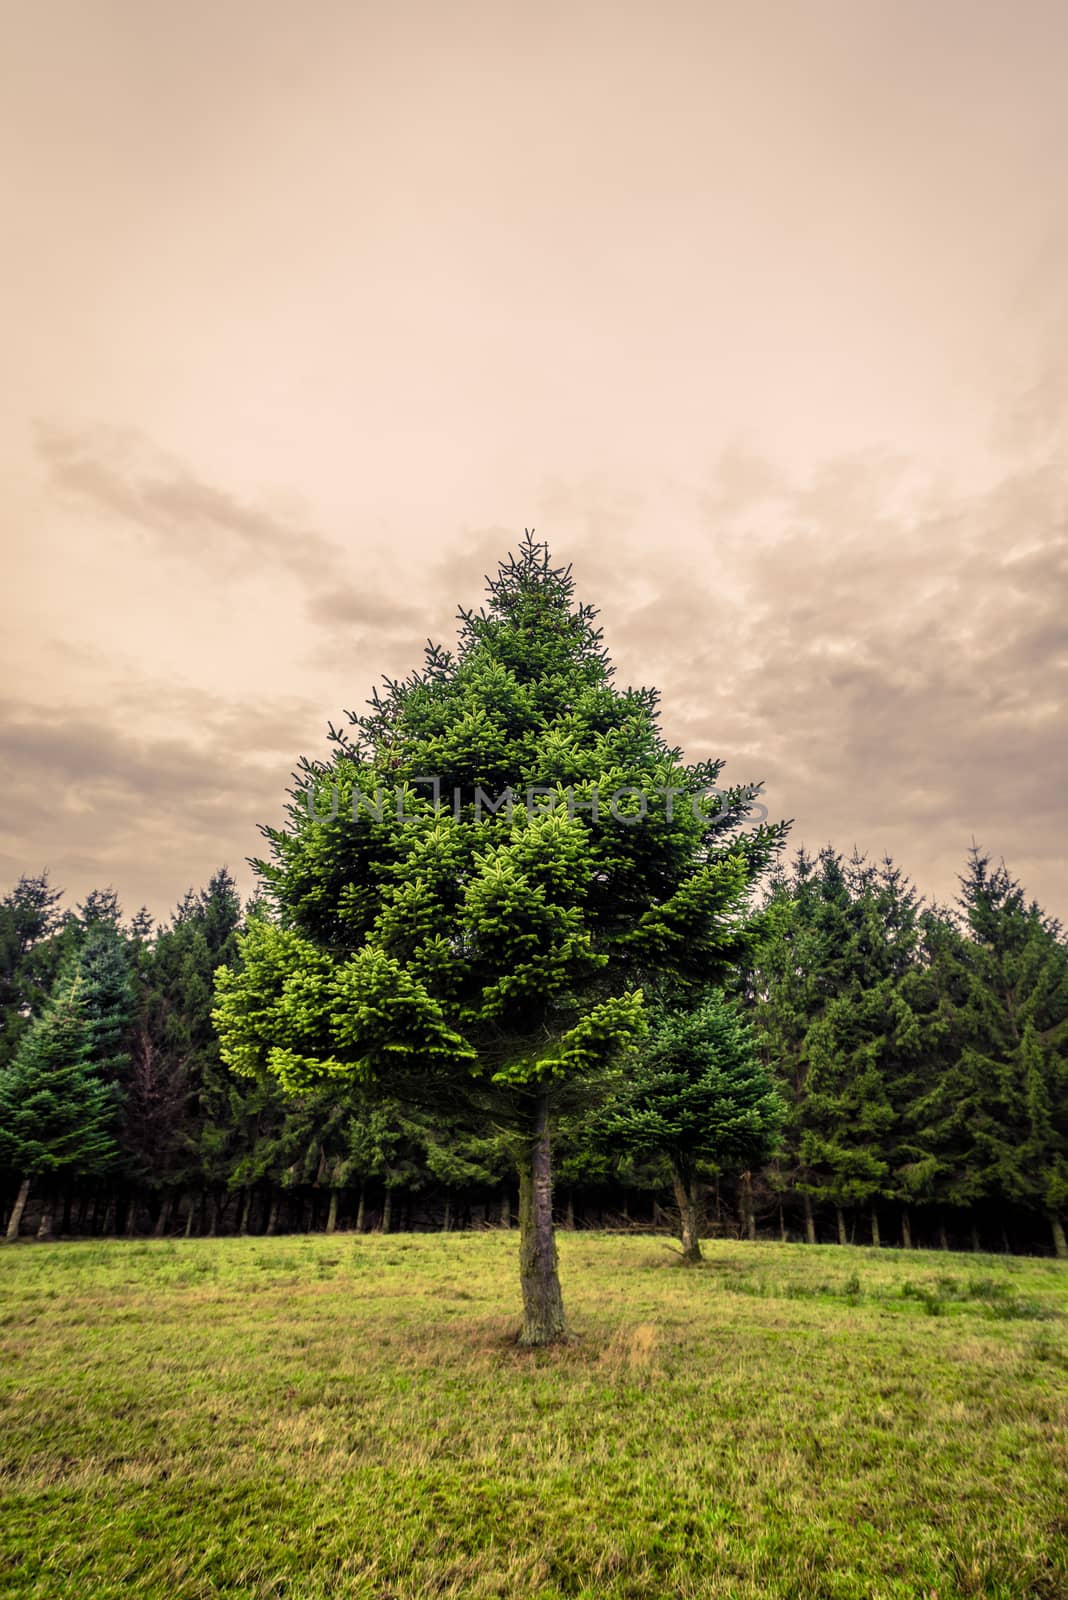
603	1007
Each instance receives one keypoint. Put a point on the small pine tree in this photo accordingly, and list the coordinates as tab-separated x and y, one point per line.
57	1115
699	1095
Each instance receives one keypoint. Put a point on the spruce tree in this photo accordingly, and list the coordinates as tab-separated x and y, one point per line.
456	947
57	1114
178	1133
862	1047
997	1124
31	950
828	988
699	1095
785	985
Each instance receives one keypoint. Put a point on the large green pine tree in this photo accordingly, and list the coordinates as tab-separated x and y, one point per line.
444	950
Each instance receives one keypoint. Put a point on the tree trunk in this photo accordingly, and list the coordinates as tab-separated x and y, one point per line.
68	1200
569	1215
688	1201
906	1229
810	1221
189	1219
749	1210
506	1209
1060	1243
387	1211
543	1304
976	1245
131	1217
446	1221
44	1230
361	1210
943	1237
163	1221
246	1207
331	1215
875	1228
18	1208
272	1217
783	1235
840	1214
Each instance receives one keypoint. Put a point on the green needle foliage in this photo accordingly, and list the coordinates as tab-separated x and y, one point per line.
998	1126
699	1095
57	1114
441	945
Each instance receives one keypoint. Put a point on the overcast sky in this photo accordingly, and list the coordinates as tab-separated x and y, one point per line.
757	312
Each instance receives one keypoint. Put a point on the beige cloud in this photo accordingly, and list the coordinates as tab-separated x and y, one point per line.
120	472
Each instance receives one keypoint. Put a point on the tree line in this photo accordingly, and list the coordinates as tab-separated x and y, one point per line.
437	1018
920	1055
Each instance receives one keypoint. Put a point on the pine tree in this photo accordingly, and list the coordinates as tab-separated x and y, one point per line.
828	988
862	1047
57	1115
455	952
699	1095
785	986
178	1133
934	988
105	966
31	951
997	1124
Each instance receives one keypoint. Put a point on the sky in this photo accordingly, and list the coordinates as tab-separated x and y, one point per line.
757	313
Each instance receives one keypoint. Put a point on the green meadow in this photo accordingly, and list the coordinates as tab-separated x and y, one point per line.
348	1415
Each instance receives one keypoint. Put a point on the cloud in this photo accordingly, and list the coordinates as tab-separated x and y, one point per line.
348	606
98	803
119	471
890	657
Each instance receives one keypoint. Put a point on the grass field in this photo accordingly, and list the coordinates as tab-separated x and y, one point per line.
346	1416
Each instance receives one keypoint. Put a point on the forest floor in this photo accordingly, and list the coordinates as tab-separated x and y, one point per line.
306	1418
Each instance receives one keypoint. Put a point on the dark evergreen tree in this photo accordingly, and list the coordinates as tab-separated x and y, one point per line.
784	984
828	988
862	1047
57	1114
698	1094
996	1125
181	1131
30	955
